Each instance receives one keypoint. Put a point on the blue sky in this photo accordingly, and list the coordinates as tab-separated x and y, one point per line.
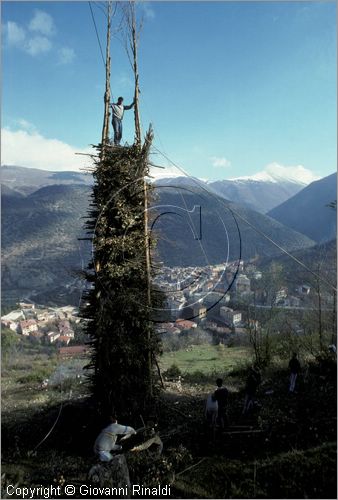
232	88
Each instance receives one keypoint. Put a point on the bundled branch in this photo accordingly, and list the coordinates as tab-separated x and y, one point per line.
118	316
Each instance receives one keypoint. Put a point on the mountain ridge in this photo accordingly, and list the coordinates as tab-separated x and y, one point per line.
40	232
308	211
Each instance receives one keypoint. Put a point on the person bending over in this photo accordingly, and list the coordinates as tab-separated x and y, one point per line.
106	441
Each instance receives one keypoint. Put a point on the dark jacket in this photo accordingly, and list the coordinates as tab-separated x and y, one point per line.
221	396
294	365
253	381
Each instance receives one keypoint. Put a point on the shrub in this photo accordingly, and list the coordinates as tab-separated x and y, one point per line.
36	376
9	340
65	385
173	371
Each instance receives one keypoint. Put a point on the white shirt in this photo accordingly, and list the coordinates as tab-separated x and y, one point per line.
108	436
211	405
118	110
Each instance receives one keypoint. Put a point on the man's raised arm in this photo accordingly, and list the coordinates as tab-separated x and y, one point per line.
130	106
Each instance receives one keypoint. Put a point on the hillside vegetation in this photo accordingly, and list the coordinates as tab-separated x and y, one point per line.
42	253
292	454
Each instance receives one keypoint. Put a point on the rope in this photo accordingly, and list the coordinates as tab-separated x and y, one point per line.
202	248
97	34
98	39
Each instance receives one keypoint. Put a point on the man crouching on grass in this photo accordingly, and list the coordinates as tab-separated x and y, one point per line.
106	441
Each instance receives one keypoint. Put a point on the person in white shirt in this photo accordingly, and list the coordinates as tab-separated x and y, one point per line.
211	410
118	110
106	441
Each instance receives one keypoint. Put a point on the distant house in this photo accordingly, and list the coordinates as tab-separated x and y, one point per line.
230	316
65	329
42	316
24	305
27	326
12	325
52	336
75	350
242	284
15	315
303	289
168	328
200	311
185	324
281	294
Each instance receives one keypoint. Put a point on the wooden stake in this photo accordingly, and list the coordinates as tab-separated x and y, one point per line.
136	75
132	48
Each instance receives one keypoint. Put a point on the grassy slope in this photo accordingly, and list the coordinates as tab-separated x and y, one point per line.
205	358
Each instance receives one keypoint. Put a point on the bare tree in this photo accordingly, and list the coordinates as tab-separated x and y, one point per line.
132	36
106	116
109	12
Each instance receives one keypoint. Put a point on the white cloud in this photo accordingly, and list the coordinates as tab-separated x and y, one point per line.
30	149
220	162
147	10
33	45
38	45
66	55
35	39
42	23
296	173
15	34
275	172
26	125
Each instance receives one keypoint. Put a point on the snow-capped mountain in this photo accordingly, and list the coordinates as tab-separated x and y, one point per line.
260	194
274	172
261	191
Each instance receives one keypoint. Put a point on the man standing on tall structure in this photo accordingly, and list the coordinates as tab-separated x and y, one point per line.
118	112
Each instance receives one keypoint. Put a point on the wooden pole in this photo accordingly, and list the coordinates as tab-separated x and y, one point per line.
132	40
134	47
105	128
334	318
147	253
136	74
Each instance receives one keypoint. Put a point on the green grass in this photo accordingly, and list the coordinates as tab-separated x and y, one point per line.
205	358
23	372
